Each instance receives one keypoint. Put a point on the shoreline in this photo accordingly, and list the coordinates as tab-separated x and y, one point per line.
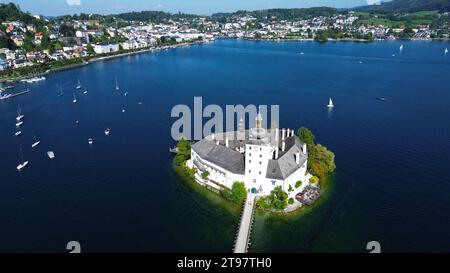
351	40
104	58
291	209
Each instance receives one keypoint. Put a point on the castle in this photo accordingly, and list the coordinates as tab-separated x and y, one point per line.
261	158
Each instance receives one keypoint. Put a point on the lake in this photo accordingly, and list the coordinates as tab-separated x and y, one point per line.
120	195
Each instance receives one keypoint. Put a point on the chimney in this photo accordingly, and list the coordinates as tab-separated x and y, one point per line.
283	134
305	149
276	152
283	146
292	133
226	142
297	158
213	137
277	133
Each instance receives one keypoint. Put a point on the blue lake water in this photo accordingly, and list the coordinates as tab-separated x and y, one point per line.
392	179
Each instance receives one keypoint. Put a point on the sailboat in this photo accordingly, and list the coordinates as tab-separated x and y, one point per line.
90	141
78	87
18	133
19	114
36	141
401	47
107	131
74	99
446	51
117	85
24	163
85	92
330	104
20	123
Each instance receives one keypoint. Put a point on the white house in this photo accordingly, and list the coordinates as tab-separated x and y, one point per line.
106	48
262	159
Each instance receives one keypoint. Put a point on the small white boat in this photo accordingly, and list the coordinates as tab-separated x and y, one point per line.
51	154
123	110
401	47
74	99
85	92
302	53
446	51
90	141
19	114
78	87
107	131
18	133
34	145
36	141
126	94
330	104
24	163
20	123
117	85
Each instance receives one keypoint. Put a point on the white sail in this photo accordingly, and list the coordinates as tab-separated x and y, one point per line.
401	47
446	51
330	103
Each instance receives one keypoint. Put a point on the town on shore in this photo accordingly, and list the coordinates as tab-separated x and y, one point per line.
34	44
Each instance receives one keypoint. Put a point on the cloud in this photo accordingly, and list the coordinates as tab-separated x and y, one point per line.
159	6
73	2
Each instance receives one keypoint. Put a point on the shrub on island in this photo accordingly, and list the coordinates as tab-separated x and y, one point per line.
277	200
237	194
320	159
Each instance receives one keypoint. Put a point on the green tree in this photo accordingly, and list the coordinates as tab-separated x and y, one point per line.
205	175
90	49
306	136
291	201
322	161
298	184
238	192
184	148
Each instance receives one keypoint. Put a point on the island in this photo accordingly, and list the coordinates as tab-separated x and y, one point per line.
279	169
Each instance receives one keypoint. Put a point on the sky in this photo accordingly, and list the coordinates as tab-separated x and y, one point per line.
203	7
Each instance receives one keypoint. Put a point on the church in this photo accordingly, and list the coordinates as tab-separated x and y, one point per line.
261	158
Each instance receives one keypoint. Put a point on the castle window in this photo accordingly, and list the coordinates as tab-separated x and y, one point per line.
259	173
250	154
260	156
249	161
273	182
260	149
250	147
249	171
260	163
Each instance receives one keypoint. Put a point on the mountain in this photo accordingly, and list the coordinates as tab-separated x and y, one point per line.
409	6
282	14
